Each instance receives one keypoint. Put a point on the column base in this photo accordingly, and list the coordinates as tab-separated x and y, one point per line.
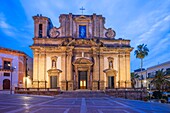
95	85
64	85
102	85
70	85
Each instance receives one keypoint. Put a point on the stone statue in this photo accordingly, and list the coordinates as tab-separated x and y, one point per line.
111	65
53	64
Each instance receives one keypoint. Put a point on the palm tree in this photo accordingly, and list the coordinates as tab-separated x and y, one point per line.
160	80
141	53
134	77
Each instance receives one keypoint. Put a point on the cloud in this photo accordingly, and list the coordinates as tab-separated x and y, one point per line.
5	27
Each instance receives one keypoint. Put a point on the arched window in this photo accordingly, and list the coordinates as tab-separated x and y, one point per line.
40	30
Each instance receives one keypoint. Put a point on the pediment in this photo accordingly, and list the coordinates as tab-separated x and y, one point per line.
82	61
110	72
82	18
54	72
82	42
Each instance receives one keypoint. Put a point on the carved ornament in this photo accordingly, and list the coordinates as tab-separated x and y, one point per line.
110	33
54	33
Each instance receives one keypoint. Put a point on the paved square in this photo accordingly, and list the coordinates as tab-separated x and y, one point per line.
77	102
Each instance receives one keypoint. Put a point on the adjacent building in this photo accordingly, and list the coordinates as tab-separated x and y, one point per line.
79	54
13	66
149	73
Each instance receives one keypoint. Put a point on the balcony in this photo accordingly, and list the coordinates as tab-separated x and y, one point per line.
5	68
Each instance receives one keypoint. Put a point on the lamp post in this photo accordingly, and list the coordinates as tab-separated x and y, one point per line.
11	69
26	73
149	91
141	81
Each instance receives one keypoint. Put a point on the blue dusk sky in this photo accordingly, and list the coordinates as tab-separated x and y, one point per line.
141	21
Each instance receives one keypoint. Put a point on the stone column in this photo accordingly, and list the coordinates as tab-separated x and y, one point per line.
122	72
101	72
63	74
71	24
43	69
95	72
94	25
88	77
35	67
69	72
76	73
128	70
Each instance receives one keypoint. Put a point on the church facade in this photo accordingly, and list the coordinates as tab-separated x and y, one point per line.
79	54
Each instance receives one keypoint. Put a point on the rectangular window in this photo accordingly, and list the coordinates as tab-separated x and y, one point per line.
149	75
82	31
7	64
7	74
40	30
168	71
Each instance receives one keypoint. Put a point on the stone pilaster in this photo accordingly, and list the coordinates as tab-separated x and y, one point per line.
88	79
63	74
76	76
36	69
128	80
96	68
69	67
95	85
95	73
69	72
101	72
122	71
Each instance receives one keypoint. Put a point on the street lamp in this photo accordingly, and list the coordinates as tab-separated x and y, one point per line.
11	69
141	81
26	74
145	82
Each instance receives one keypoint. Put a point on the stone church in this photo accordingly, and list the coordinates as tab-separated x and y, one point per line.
79	54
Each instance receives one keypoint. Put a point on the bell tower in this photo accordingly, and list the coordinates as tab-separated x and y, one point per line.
41	26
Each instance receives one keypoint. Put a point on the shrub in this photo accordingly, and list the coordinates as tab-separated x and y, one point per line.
163	101
157	94
165	97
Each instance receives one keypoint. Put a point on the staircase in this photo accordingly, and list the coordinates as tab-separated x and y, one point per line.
82	94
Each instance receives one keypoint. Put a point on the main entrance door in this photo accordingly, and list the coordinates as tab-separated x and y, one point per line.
53	81
82	79
110	82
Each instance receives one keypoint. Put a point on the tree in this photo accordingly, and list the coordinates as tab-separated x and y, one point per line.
141	53
160	80
134	77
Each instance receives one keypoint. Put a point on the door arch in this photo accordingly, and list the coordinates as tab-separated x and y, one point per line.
6	84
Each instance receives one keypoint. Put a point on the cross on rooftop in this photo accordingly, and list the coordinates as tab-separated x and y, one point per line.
82	10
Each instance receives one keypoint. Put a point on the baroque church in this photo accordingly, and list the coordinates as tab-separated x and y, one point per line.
79	54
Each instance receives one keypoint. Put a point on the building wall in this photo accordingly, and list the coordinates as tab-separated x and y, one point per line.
14	73
18	64
150	72
92	54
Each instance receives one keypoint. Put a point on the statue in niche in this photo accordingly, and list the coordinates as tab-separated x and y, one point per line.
53	64
111	65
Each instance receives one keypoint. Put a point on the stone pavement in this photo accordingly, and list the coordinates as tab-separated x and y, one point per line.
77	102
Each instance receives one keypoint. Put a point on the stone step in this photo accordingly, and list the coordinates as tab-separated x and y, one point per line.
82	94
